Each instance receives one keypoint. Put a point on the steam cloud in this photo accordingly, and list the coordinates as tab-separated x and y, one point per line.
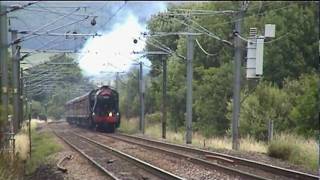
112	52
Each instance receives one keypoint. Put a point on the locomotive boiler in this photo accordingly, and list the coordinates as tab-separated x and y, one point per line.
97	109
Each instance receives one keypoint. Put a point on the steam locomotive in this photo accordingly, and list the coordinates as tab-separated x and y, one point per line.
97	109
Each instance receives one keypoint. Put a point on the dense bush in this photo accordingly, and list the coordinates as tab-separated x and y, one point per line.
292	108
153	118
295	149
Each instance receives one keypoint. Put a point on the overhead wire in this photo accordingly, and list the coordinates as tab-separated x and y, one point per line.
113	15
159	47
56	12
47	43
67	15
164	48
253	15
204	51
49	24
21	40
202	31
40	49
209	32
280	37
17	8
63	7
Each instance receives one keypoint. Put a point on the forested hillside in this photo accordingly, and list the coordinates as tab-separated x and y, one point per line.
53	83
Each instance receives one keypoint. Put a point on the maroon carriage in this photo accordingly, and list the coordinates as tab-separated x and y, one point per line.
97	109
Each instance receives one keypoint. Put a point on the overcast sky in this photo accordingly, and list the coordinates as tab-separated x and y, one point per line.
119	22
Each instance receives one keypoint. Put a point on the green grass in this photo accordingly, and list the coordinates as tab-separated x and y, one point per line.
129	126
292	148
10	168
296	150
43	145
153	129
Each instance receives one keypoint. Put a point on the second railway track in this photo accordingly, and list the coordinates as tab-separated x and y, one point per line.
231	164
115	164
213	169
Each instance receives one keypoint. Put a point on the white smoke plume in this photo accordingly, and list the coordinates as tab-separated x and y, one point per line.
112	52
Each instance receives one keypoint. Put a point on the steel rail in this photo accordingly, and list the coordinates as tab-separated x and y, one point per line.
192	159
105	171
241	161
144	165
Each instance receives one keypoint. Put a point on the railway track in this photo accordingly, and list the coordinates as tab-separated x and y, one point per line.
178	155
245	168
115	164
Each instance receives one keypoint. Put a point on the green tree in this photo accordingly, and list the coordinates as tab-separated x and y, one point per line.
215	83
62	79
305	113
267	102
129	99
294	50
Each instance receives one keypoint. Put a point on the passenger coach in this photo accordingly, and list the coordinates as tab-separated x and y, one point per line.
98	109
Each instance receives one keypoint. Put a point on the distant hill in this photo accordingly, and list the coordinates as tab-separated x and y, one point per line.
42	13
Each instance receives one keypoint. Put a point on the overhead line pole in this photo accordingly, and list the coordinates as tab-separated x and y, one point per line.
117	79
29	127
4	65
15	84
190	51
21	97
141	89
164	96
190	46
237	76
164	88
127	104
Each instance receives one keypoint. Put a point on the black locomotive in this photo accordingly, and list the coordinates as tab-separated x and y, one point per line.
98	109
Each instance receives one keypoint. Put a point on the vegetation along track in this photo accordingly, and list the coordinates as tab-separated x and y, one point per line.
231	164
115	164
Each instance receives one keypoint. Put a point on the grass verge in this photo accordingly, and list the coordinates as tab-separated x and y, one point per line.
292	148
129	126
10	168
43	145
295	149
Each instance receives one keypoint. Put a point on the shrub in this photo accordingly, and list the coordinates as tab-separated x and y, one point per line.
295	149
153	118
281	149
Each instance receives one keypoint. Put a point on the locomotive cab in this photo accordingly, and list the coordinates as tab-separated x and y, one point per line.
105	108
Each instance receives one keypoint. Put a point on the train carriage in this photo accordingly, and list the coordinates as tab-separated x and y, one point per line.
98	109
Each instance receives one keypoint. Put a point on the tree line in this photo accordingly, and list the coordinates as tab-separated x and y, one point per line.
287	93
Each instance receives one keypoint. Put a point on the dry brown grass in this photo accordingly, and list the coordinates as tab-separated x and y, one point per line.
22	145
129	126
295	149
22	140
154	130
11	168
